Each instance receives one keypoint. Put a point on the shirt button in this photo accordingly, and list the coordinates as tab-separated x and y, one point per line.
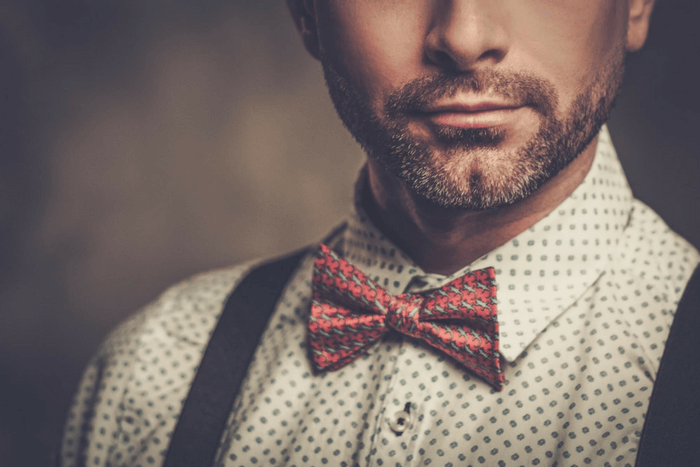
400	420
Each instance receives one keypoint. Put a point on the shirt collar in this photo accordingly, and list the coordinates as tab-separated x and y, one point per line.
540	273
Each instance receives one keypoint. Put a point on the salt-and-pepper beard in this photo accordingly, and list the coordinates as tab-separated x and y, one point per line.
463	179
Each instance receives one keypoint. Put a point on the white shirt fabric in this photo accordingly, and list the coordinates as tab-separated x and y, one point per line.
586	298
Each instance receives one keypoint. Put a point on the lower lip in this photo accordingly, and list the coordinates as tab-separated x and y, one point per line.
481	119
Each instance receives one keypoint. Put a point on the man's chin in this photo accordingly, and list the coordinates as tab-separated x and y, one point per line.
473	180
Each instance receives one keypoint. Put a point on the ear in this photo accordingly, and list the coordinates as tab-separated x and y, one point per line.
304	16
638	24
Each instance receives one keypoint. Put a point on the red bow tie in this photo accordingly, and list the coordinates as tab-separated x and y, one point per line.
350	313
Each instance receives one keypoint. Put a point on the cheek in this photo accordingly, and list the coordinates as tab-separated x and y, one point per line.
568	41
377	46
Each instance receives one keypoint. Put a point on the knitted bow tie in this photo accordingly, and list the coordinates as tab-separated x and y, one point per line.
350	313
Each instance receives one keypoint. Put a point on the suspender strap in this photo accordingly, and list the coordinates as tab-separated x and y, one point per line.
225	362
671	433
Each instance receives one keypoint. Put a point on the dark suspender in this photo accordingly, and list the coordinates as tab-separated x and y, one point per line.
225	362
671	434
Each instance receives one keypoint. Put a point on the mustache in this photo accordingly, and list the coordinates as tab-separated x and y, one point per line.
517	88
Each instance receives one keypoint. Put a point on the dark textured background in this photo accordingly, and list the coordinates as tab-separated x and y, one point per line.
143	142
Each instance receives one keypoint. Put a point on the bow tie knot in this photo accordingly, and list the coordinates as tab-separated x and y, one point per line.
350	313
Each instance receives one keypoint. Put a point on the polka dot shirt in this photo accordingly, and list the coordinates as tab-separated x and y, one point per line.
586	299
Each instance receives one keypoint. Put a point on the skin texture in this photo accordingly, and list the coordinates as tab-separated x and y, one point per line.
479	117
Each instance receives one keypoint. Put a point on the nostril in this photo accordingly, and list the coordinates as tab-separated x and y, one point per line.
442	59
493	54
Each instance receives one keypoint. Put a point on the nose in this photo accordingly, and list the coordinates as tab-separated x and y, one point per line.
467	34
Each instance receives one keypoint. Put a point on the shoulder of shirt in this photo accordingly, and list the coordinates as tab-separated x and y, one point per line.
184	314
653	253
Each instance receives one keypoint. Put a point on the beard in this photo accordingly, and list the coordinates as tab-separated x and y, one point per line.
469	169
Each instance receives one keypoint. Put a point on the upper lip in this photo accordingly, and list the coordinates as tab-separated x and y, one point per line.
471	107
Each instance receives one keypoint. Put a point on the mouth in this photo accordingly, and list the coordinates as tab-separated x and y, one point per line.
483	114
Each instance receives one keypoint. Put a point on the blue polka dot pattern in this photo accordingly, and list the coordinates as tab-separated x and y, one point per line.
586	299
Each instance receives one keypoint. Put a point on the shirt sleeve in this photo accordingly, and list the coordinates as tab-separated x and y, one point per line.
102	420
133	389
653	276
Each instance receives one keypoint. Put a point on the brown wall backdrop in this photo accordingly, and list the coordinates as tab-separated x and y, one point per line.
143	142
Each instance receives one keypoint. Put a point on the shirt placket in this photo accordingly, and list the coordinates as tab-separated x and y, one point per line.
384	441
401	412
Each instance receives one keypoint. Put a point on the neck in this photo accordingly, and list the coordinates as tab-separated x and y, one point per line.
443	241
